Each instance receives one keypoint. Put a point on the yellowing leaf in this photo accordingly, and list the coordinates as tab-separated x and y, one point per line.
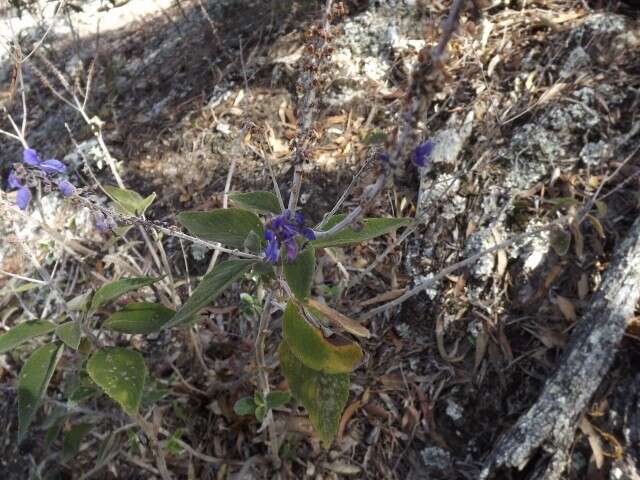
309	345
337	318
323	395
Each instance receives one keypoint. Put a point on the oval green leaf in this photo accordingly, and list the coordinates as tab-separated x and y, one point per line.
229	226
23	332
33	381
116	289
367	229
70	334
323	395
258	202
299	273
309	345
212	285
72	440
244	406
141	317
120	373
129	201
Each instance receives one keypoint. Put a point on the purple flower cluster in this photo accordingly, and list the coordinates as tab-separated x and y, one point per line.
284	229
48	167
420	155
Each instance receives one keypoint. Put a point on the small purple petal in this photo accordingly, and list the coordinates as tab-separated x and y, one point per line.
66	188
31	157
52	166
308	233
299	218
421	154
272	251
292	249
14	182
101	222
23	197
269	235
383	157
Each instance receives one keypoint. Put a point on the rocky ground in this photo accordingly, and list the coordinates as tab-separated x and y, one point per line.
538	112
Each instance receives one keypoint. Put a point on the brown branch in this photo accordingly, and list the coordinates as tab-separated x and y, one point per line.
550	423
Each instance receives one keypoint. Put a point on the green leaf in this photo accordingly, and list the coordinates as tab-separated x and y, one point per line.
277	399
69	333
33	381
261	411
229	226
139	318
113	290
212	285
244	406
128	200
309	345
299	273
23	332
323	395
367	229
258	202
72	440
80	302
120	373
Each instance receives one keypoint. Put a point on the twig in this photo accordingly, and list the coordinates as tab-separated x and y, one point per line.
461	264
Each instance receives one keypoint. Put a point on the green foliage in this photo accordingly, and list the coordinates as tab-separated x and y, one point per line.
244	406
129	201
120	373
72	440
212	285
258	202
141	317
299	273
323	395
116	289
312	349
229	226
23	332
33	381
277	399
369	228
69	333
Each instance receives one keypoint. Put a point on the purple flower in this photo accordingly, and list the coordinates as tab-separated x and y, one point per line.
284	229
66	188
272	250
383	157
23	197
14	182
31	157
49	167
52	166
100	222
420	155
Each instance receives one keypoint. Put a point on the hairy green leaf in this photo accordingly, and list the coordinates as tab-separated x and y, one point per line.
212	285
113	290
72	440
69	333
120	373
23	332
311	348
229	226
259	202
366	229
277	399
323	395
33	381
129	201
244	406
299	273
139	318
